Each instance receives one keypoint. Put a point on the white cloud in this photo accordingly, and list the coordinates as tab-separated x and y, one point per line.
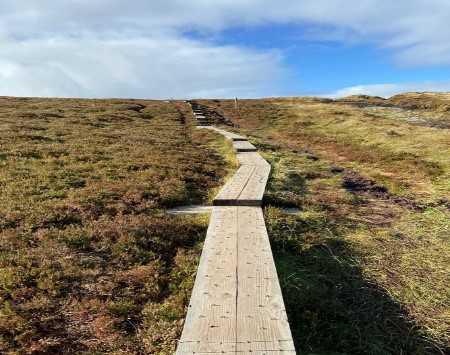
388	90
120	49
159	67
138	48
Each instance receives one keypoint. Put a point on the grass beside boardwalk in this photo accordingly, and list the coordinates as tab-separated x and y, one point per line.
364	263
89	260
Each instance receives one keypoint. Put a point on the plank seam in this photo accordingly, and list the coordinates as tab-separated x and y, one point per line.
249	178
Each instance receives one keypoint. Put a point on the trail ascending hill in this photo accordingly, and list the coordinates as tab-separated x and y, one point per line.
364	262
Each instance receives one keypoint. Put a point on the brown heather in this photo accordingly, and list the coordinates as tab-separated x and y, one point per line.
89	260
91	263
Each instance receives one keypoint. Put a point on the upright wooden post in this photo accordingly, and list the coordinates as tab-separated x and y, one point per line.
236	107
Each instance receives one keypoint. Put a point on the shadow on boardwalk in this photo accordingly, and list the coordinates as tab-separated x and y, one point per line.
333	309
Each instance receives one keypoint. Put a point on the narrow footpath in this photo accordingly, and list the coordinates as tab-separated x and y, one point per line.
236	305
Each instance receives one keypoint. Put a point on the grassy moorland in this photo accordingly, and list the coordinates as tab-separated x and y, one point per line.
364	262
89	260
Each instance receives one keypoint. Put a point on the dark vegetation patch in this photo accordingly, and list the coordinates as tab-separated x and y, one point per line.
359	185
132	107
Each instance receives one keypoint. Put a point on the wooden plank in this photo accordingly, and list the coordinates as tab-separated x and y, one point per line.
233	188
261	314
268	346
236	348
245	188
232	136
229	135
251	158
243	146
201	347
254	189
211	317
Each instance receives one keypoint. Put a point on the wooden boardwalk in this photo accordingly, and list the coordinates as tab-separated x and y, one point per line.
226	134
236	305
245	188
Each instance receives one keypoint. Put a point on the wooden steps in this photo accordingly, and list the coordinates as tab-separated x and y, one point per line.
202	118
236	305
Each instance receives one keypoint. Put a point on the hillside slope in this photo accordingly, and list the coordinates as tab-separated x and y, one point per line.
89	260
358	212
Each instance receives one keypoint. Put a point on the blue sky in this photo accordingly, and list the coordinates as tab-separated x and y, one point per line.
321	66
223	48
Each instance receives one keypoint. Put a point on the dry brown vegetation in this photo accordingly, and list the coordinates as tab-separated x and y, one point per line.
89	260
364	262
91	263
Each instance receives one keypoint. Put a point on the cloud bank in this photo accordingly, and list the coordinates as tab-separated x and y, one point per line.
107	48
157	67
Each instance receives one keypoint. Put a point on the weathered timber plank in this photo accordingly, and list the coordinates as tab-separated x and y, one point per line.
256	185
211	317
251	158
229	135
232	136
233	188
261	314
268	346
244	146
202	347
